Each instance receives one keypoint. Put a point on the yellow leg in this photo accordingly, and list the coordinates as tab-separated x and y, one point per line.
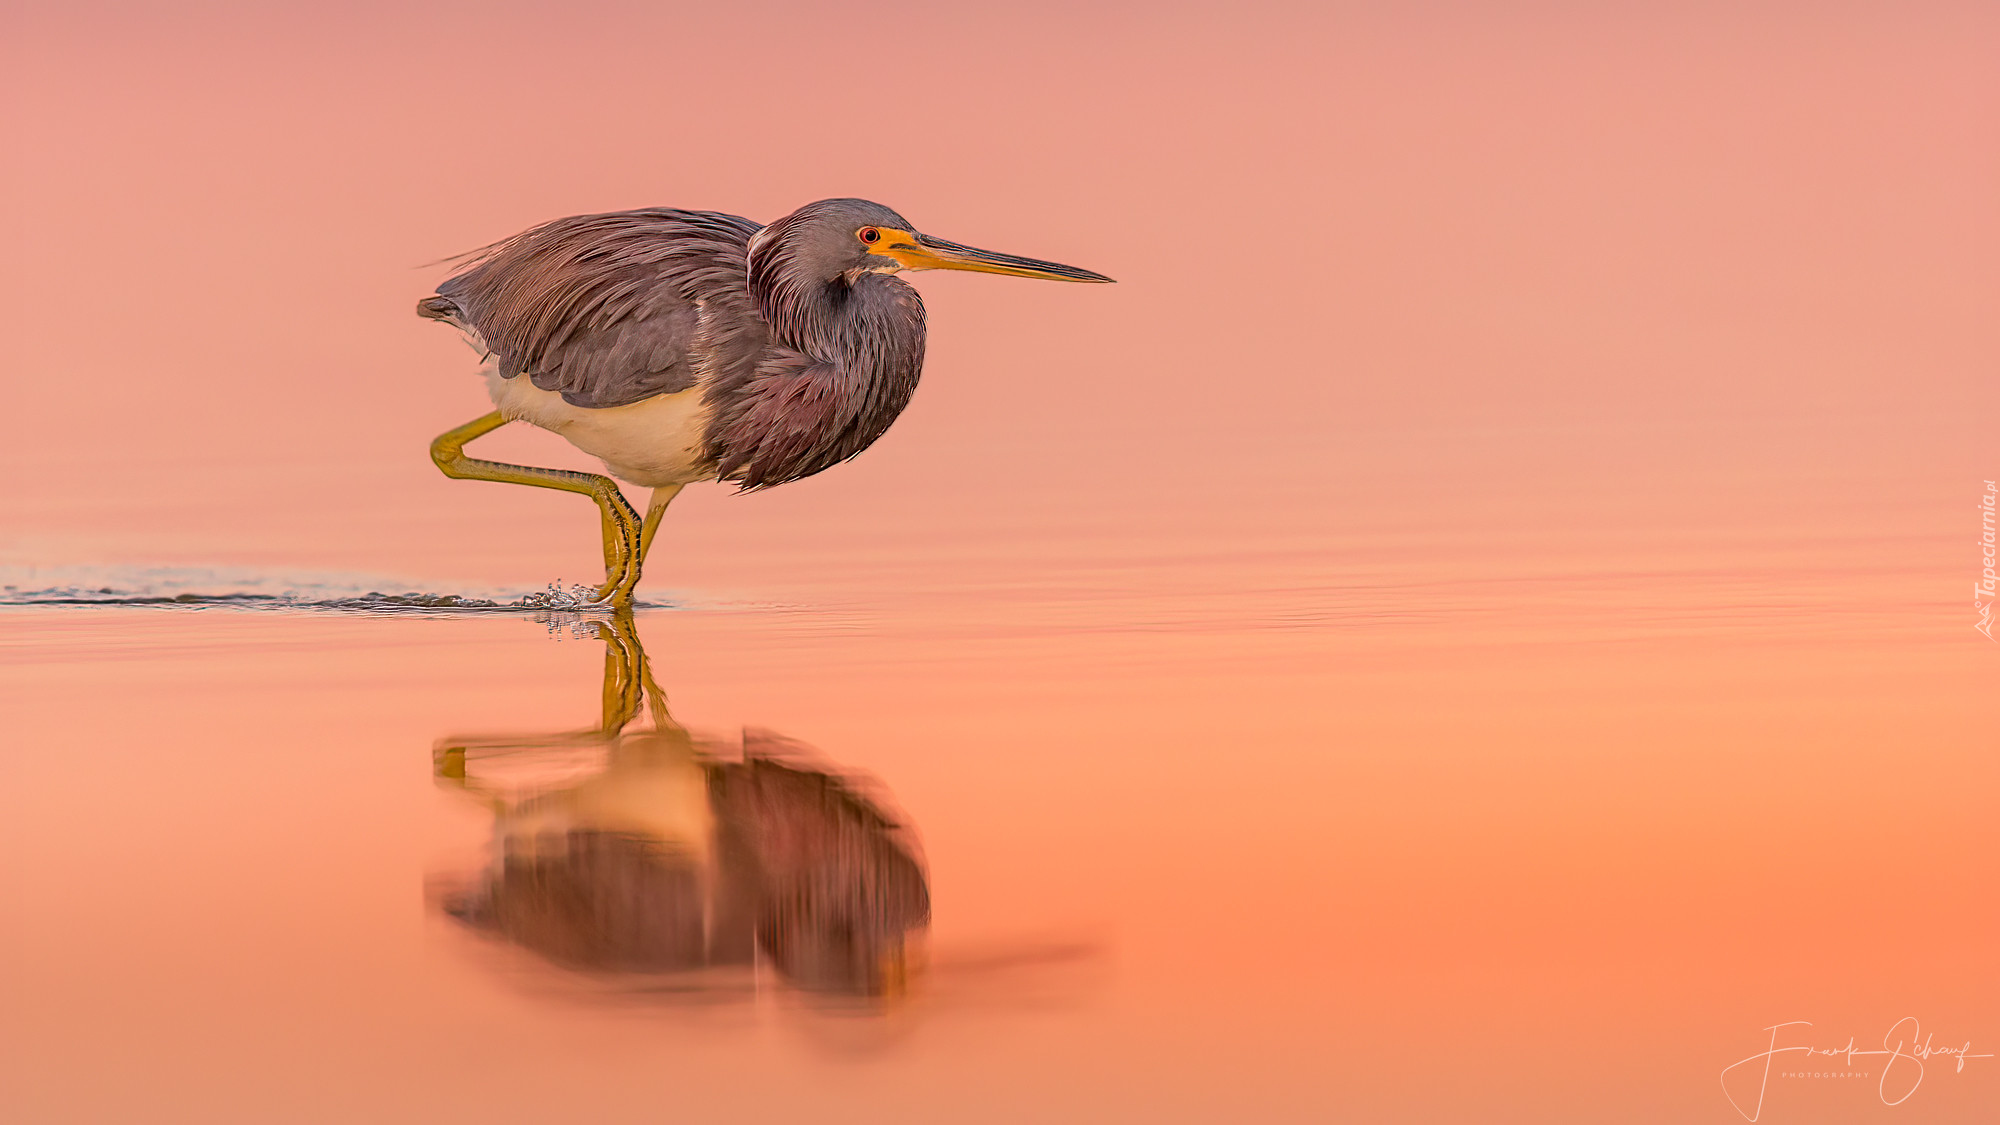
661	498
621	523
612	539
625	674
628	685
627	679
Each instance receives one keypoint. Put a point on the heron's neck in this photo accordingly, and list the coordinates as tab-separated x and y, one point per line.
868	337
863	349
871	327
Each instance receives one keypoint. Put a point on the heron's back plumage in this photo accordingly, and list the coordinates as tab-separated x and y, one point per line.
607	310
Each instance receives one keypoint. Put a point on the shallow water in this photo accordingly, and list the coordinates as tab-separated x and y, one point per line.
1310	850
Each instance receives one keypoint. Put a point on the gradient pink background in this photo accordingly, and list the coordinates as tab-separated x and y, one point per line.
1474	625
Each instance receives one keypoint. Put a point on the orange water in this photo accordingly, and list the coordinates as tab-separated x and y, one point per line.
1475	626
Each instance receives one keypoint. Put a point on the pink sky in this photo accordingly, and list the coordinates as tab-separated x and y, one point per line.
1730	269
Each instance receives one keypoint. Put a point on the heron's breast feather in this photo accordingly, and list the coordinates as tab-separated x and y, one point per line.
654	442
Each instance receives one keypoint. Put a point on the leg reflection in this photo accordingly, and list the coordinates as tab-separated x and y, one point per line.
632	847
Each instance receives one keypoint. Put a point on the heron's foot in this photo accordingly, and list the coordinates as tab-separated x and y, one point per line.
623	552
627	539
615	594
621	570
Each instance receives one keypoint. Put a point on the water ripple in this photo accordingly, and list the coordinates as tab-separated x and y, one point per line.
206	588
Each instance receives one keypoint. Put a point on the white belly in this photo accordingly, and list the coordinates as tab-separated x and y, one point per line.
655	442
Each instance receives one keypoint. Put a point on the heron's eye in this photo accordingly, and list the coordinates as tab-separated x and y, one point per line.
868	234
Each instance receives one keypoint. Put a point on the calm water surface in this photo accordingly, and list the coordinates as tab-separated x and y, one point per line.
1240	840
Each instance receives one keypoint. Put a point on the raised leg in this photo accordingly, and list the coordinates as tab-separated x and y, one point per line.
621	523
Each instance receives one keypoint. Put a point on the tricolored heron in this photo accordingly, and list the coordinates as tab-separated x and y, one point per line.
683	346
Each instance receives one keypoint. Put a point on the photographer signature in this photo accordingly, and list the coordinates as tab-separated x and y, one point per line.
1900	1044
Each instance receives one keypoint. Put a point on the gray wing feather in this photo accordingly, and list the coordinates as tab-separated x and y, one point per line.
604	309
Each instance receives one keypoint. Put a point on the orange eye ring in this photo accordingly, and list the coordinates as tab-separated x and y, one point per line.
868	234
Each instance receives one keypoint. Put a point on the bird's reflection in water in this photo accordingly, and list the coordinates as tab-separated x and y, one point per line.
672	859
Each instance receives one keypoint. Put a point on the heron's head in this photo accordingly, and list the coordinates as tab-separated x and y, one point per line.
851	237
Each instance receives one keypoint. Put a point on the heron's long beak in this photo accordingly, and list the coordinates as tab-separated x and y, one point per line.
922	252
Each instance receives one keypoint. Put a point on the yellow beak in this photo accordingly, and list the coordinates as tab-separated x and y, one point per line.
915	251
